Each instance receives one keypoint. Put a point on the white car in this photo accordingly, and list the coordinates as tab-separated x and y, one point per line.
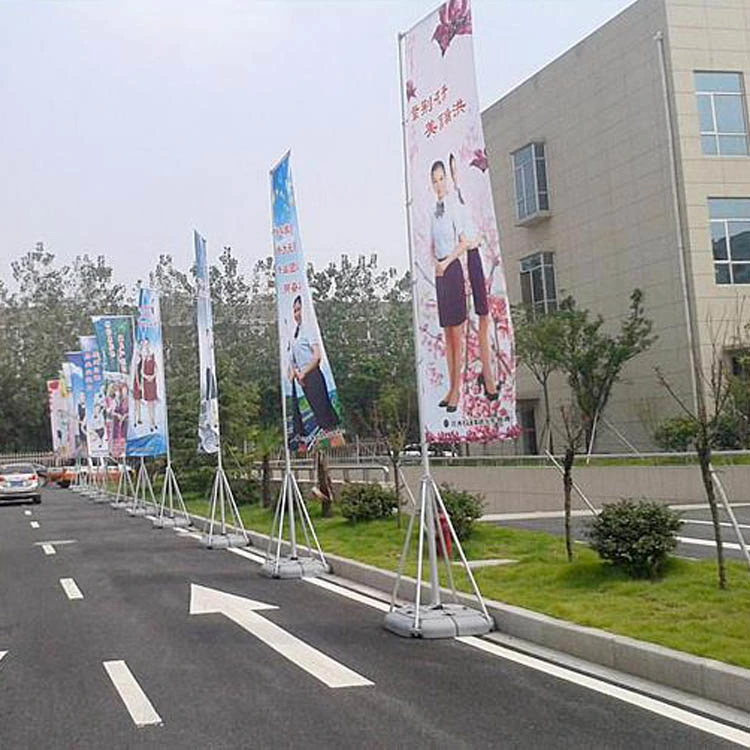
19	482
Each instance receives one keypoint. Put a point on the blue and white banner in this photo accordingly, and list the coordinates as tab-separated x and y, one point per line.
94	388
80	439
313	409
147	435
208	416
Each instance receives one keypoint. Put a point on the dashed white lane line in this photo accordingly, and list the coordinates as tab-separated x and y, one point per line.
27	512
349	594
139	707
626	696
34	524
701	522
71	589
49	549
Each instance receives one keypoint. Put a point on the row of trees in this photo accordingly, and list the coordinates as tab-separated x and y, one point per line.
365	312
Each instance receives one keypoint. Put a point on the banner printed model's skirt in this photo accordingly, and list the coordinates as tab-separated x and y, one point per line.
478	284
316	393
451	295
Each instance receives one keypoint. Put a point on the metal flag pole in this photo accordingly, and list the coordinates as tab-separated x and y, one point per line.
436	619
291	565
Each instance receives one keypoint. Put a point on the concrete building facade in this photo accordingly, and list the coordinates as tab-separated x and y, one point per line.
625	164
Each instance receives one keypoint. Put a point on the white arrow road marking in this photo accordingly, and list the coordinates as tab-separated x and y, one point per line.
139	707
48	549
34	524
71	589
27	512
243	612
57	542
627	696
2	653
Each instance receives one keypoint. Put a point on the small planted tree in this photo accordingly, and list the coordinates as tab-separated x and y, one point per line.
266	441
574	431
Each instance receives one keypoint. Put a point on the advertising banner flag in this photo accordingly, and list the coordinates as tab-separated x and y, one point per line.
53	400
80	439
313	409
114	335
67	417
208	417
147	435
94	388
465	337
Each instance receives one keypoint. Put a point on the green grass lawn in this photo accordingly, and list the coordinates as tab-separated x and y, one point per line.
684	610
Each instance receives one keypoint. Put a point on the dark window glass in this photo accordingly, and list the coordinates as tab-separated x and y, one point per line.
718	240
741	273
549	280
722	273
739	240
526	288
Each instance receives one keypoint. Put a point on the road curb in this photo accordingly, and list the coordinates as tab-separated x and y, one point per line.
703	677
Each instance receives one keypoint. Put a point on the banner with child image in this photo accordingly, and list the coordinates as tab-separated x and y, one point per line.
465	338
313	409
114	335
94	388
147	433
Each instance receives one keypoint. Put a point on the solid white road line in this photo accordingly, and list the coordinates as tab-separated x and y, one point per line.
136	701
34	524
256	558
58	542
711	523
48	549
349	594
627	696
706	542
27	512
70	588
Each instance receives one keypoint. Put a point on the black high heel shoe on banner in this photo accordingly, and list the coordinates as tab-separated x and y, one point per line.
489	396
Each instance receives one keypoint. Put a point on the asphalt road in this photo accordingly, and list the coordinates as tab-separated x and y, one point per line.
215	685
696	536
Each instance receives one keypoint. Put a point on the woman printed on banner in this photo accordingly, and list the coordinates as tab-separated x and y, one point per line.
305	373
447	246
137	391
471	244
121	419
148	372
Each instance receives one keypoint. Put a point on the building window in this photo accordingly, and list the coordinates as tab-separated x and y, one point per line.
730	239
530	178
538	288
721	112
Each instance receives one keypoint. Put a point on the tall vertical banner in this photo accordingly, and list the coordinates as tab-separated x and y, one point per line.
54	400
78	393
147	435
208	416
313	408
465	337
94	388
114	335
67	416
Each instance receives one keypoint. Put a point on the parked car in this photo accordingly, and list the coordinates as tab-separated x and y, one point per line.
19	482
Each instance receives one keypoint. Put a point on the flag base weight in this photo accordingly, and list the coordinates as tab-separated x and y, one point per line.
294	567
443	621
165	522
223	541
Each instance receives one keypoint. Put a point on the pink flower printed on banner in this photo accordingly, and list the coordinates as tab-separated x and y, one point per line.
480	160
455	19
411	90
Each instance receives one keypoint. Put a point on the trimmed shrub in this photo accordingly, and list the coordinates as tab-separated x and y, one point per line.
676	434
636	536
366	502
244	488
463	507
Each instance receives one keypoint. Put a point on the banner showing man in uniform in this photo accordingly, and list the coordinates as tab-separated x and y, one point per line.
208	416
465	341
147	435
313	409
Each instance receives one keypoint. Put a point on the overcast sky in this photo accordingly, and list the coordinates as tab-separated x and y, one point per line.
124	124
